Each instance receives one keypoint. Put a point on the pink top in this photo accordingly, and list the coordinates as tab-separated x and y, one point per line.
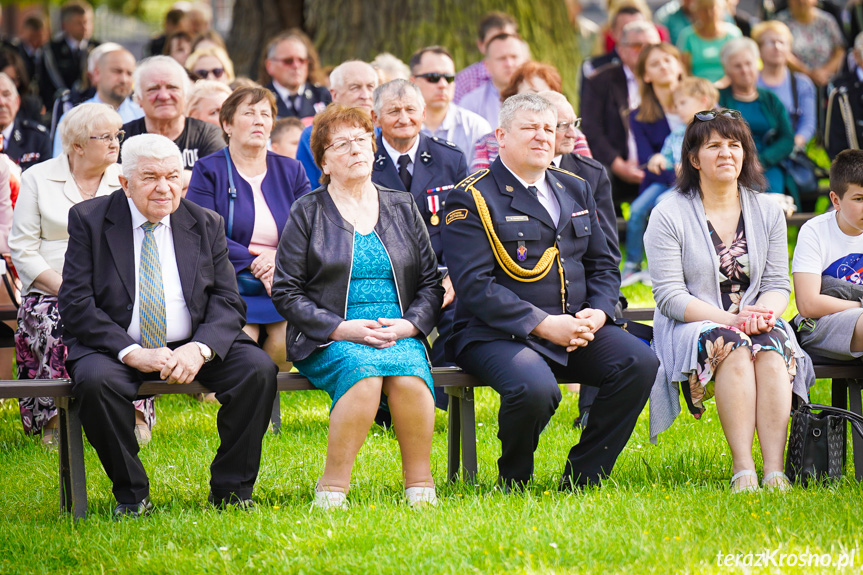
265	236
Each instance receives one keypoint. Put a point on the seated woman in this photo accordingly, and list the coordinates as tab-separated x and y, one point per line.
763	111
826	267
533	77
211	63
718	328
357	280
702	42
206	99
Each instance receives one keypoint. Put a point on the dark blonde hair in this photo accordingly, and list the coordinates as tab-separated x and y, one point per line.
650	109
336	116
241	96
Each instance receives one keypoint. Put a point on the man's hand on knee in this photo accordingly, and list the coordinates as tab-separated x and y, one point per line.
148	360
184	364
565	330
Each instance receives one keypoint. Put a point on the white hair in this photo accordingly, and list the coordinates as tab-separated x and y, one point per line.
5	76
337	76
527	102
99	51
148	146
75	125
396	89
160	62
737	45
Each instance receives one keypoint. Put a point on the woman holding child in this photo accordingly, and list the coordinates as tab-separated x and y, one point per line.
718	259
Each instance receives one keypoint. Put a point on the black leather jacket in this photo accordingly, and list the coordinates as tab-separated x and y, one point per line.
313	267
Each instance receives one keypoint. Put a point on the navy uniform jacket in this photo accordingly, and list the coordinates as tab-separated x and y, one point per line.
491	305
438	164
312	100
69	67
29	143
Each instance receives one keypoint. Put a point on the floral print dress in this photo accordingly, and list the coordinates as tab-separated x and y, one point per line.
716	340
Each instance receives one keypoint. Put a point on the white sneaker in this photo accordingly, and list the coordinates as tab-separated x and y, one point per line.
421	496
327	500
629	277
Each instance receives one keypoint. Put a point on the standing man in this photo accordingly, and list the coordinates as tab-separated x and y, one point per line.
433	71
64	59
426	167
24	141
537	288
504	54
291	63
352	84
148	291
476	74
112	76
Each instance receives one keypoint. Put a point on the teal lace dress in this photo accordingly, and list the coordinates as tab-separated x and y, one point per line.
371	295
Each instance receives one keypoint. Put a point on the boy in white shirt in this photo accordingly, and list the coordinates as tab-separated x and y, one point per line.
829	252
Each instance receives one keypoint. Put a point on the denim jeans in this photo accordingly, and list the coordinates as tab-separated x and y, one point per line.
638	212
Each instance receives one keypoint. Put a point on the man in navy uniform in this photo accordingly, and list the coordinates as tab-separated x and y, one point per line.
290	65
24	141
426	167
537	287
64	59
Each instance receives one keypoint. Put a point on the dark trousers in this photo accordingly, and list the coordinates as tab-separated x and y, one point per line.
438	355
619	364
245	385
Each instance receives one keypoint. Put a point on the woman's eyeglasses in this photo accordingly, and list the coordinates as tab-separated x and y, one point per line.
216	72
343	146
108	138
708	115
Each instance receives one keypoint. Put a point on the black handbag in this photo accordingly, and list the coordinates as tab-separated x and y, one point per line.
247	284
816	447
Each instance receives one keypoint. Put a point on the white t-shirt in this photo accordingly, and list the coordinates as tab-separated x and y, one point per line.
824	249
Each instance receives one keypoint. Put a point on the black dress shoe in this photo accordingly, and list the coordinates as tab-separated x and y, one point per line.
231	501
581	421
133	510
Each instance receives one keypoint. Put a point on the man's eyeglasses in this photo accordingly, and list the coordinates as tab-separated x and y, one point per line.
344	146
291	61
434	78
108	138
565	126
708	115
216	72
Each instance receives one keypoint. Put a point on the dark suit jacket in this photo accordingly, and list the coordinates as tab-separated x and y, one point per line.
597	178
69	68
29	143
604	110
313	100
97	295
437	165
491	305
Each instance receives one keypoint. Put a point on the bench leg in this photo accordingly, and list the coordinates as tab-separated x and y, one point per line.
468	435
839	393
856	406
453	433
276	416
73	478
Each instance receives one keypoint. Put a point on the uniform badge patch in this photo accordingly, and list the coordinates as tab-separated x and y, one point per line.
456	215
521	252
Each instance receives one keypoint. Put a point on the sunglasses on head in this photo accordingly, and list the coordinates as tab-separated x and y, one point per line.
708	115
216	72
434	78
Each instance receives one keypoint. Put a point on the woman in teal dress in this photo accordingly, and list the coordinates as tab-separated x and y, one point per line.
357	280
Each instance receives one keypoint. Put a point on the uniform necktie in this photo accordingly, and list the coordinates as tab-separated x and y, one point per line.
404	174
151	292
533	191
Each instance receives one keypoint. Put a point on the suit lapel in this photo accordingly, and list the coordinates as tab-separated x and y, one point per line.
565	200
118	234
521	201
384	172
424	166
187	248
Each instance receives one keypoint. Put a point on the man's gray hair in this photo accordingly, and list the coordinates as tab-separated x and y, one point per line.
148	147
635	27
95	57
160	62
5	76
527	102
858	43
737	45
396	89
337	76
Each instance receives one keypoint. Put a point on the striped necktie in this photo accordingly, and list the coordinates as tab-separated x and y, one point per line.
151	292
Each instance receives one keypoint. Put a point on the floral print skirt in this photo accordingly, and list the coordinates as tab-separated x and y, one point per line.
716	342
41	355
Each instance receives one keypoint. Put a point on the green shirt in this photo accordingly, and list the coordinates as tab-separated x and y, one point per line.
705	53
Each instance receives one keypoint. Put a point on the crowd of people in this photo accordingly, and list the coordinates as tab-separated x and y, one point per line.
174	219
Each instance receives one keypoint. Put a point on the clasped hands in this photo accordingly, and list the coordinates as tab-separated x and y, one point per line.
570	331
380	334
754	319
180	365
263	267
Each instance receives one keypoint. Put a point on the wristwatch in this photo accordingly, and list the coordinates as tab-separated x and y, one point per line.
205	351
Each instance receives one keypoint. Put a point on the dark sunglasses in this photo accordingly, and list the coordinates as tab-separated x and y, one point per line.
434	78
216	72
291	61
708	115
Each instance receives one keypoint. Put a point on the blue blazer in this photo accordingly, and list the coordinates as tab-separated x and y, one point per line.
285	182
649	138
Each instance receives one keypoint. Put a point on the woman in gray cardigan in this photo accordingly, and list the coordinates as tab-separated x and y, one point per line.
718	258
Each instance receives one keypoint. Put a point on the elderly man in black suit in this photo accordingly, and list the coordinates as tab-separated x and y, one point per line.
148	291
537	287
290	65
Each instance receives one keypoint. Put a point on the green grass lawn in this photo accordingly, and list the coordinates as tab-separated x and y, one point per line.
666	507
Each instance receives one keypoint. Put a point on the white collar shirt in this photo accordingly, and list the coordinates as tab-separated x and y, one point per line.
395	154
544	194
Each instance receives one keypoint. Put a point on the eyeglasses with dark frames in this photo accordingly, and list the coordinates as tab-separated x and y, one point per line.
216	72
434	77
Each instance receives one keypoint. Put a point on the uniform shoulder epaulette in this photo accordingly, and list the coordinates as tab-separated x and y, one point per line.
567	172
610	66
26	123
472	179
592	162
446	143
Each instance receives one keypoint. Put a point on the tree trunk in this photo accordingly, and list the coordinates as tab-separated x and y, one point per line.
254	23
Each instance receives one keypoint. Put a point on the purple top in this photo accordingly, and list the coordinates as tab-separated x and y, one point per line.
470	79
484	101
649	137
